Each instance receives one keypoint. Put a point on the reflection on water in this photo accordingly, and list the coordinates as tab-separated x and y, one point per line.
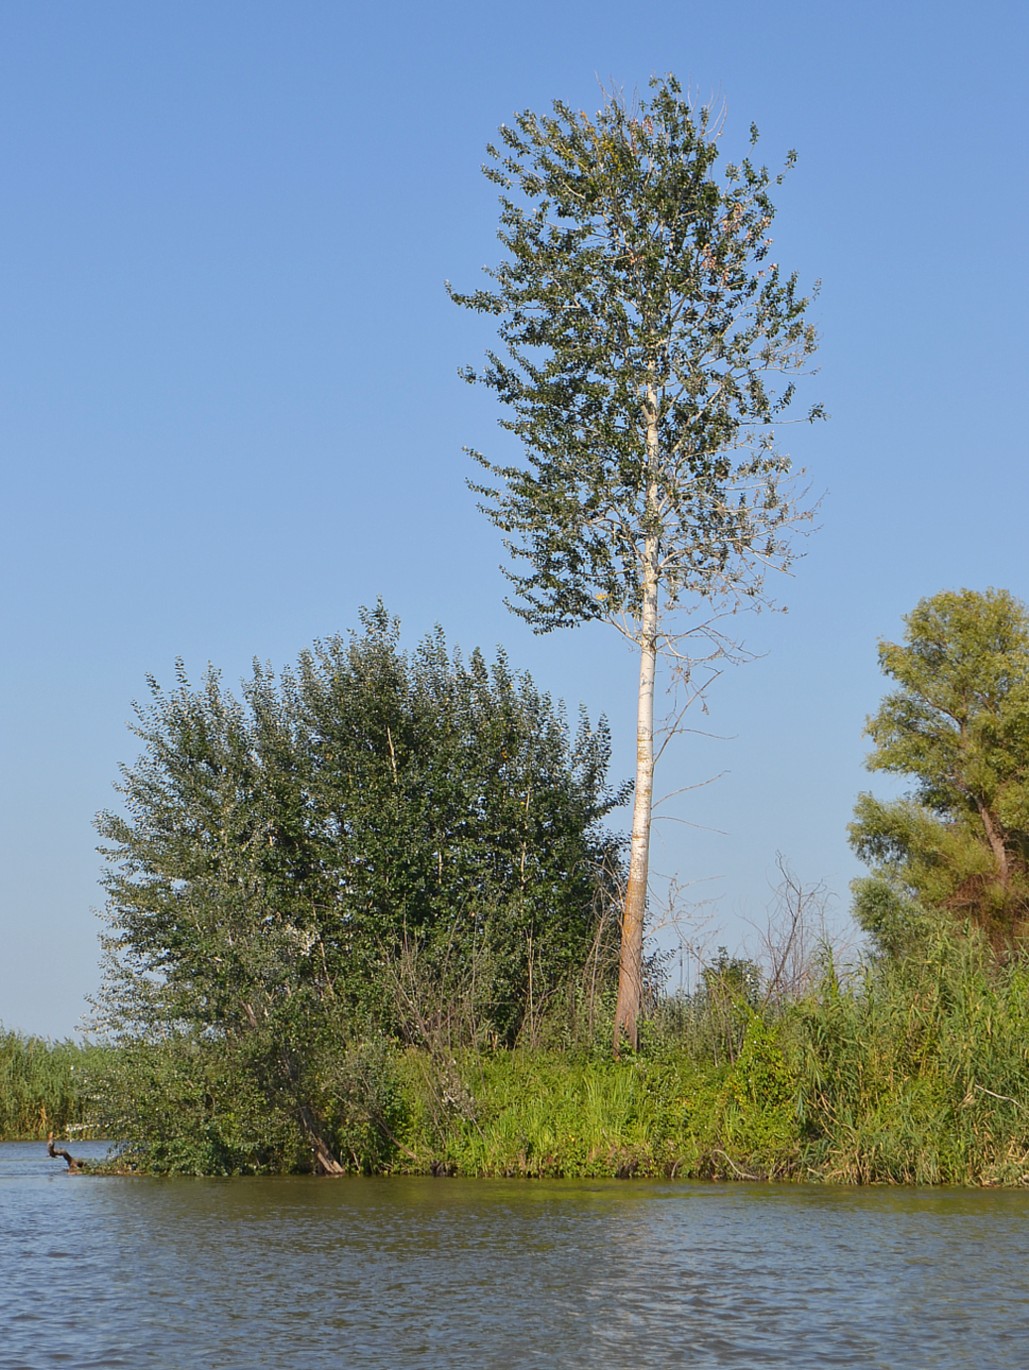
449	1273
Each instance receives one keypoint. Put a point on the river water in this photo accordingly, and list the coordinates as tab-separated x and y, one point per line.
398	1273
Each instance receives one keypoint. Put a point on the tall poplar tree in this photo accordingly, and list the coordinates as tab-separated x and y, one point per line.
649	344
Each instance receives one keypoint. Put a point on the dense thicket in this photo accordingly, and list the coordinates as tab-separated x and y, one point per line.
913	1070
375	843
910	1072
957	728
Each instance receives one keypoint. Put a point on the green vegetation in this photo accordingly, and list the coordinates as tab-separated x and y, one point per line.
45	1086
903	1074
376	844
912	1071
361	922
958	726
649	353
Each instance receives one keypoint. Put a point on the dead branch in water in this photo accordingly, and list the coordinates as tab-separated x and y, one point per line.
74	1165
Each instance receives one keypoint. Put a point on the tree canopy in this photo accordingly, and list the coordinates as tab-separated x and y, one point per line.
322	857
957	726
649	346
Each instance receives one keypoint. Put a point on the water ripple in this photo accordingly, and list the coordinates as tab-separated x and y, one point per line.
171	1275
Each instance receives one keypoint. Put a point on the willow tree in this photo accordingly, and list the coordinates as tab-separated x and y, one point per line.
334	855
957	727
649	349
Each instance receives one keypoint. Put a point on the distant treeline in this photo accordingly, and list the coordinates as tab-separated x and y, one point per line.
909	1072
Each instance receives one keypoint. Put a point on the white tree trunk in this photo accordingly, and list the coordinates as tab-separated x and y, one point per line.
630	961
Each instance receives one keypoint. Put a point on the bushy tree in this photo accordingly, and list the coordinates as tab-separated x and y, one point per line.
278	856
957	726
649	340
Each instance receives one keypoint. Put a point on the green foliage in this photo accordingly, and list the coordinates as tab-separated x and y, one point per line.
759	1125
184	1105
353	849
45	1086
721	1010
958	727
914	1071
648	349
190	1107
918	1073
645	334
711	1023
556	1114
367	1106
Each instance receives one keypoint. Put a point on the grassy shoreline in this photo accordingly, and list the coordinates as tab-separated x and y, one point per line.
911	1072
551	1115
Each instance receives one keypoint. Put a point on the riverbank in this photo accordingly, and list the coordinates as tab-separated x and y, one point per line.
538	1115
911	1072
758	1117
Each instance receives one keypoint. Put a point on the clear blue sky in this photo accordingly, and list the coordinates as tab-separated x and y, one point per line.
230	413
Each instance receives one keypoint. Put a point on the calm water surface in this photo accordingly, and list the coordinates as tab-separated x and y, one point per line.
404	1273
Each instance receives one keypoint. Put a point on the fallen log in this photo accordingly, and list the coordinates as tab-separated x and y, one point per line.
74	1164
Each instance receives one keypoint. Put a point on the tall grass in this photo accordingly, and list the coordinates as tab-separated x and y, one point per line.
914	1072
907	1072
919	1073
548	1113
44	1086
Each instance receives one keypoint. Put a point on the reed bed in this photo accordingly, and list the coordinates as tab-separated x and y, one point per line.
912	1072
44	1087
